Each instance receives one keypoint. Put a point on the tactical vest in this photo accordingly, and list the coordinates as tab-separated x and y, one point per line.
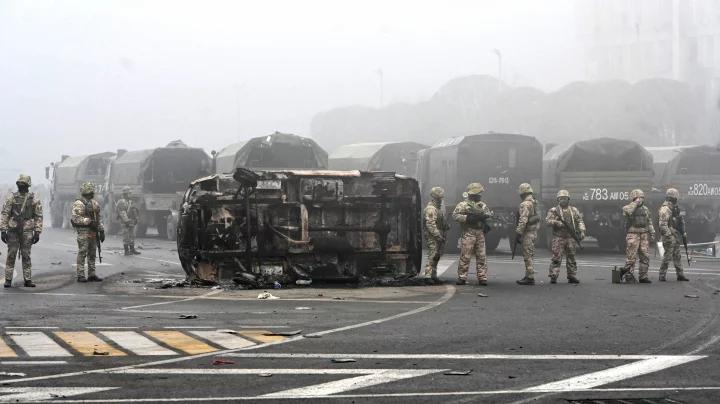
89	212
534	217
20	212
640	218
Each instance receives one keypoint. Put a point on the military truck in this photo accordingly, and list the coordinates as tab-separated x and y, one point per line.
398	157
695	172
599	174
279	150
256	227
157	179
67	175
499	161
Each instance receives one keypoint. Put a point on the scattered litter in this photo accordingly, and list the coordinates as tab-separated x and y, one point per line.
312	336
282	333
338	298
482	295
100	353
303	282
56	263
222	362
458	372
266	295
188	316
303	308
13	374
229	332
277	285
343	360
265	374
613	315
216	287
320	295
511	377
692	296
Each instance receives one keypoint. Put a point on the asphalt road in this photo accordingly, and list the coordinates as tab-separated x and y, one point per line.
123	340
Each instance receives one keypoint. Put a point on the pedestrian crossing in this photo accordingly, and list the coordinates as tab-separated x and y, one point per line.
54	344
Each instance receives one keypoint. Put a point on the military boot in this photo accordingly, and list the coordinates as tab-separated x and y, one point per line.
645	280
662	278
682	278
133	250
461	281
482	282
81	278
8	283
630	278
127	249
29	284
573	279
553	279
94	278
526	281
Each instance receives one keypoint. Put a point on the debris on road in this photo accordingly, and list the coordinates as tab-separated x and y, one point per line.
482	295
338	298
458	372
266	296
343	360
282	333
13	374
188	316
303	282
303	308
229	332
217	362
56	263
265	374
98	352
692	296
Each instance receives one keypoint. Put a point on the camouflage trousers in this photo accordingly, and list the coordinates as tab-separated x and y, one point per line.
672	253
87	250
128	233
637	244
472	242
22	242
528	250
560	246
435	248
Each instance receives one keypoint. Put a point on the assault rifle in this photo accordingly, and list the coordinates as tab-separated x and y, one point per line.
571	230
94	227
518	238
681	230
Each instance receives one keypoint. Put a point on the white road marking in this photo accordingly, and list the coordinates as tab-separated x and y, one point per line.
112	327
444	264
210	293
31	328
615	374
18	394
705	345
224	339
37	344
137	343
98	264
458	356
191	327
235	371
158	260
32	363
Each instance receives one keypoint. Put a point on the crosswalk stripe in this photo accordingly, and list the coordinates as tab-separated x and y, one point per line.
5	350
181	341
88	344
257	335
137	343
224	339
37	344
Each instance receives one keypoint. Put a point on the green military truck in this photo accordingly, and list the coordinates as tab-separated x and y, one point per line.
398	157
279	150
599	174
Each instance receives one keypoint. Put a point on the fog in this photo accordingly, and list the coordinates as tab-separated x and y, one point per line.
86	76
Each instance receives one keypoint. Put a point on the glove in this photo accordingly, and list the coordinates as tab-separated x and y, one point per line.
36	237
101	236
4	237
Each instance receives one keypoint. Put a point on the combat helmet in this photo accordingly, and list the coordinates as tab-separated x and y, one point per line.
636	193
24	179
563	193
525	188
437	193
672	193
475	188
87	188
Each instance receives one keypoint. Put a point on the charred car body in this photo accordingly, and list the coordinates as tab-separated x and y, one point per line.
68	175
501	162
599	174
157	179
398	157
279	150
695	172
290	225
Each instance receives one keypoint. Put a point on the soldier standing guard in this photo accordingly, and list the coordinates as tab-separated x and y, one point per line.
640	231
526	231
127	213
21	223
669	220
471	213
436	228
86	220
567	224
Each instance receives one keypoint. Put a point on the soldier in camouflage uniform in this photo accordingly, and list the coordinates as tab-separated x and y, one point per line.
86	220
21	223
127	213
563	242
436	228
526	231
472	215
669	219
640	232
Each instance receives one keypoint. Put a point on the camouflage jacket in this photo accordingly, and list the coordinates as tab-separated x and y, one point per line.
528	216
13	212
638	219
434	221
667	220
467	206
84	213
572	217
126	211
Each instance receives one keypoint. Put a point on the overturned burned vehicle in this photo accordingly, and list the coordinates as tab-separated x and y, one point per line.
257	227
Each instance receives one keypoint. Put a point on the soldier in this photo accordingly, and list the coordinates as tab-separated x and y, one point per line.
436	228
472	214
526	231
565	220
640	231
127	213
21	223
669	220
86	220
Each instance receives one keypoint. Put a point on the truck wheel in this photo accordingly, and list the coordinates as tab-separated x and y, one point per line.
161	224
141	229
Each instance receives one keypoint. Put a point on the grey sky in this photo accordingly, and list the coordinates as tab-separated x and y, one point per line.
86	76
